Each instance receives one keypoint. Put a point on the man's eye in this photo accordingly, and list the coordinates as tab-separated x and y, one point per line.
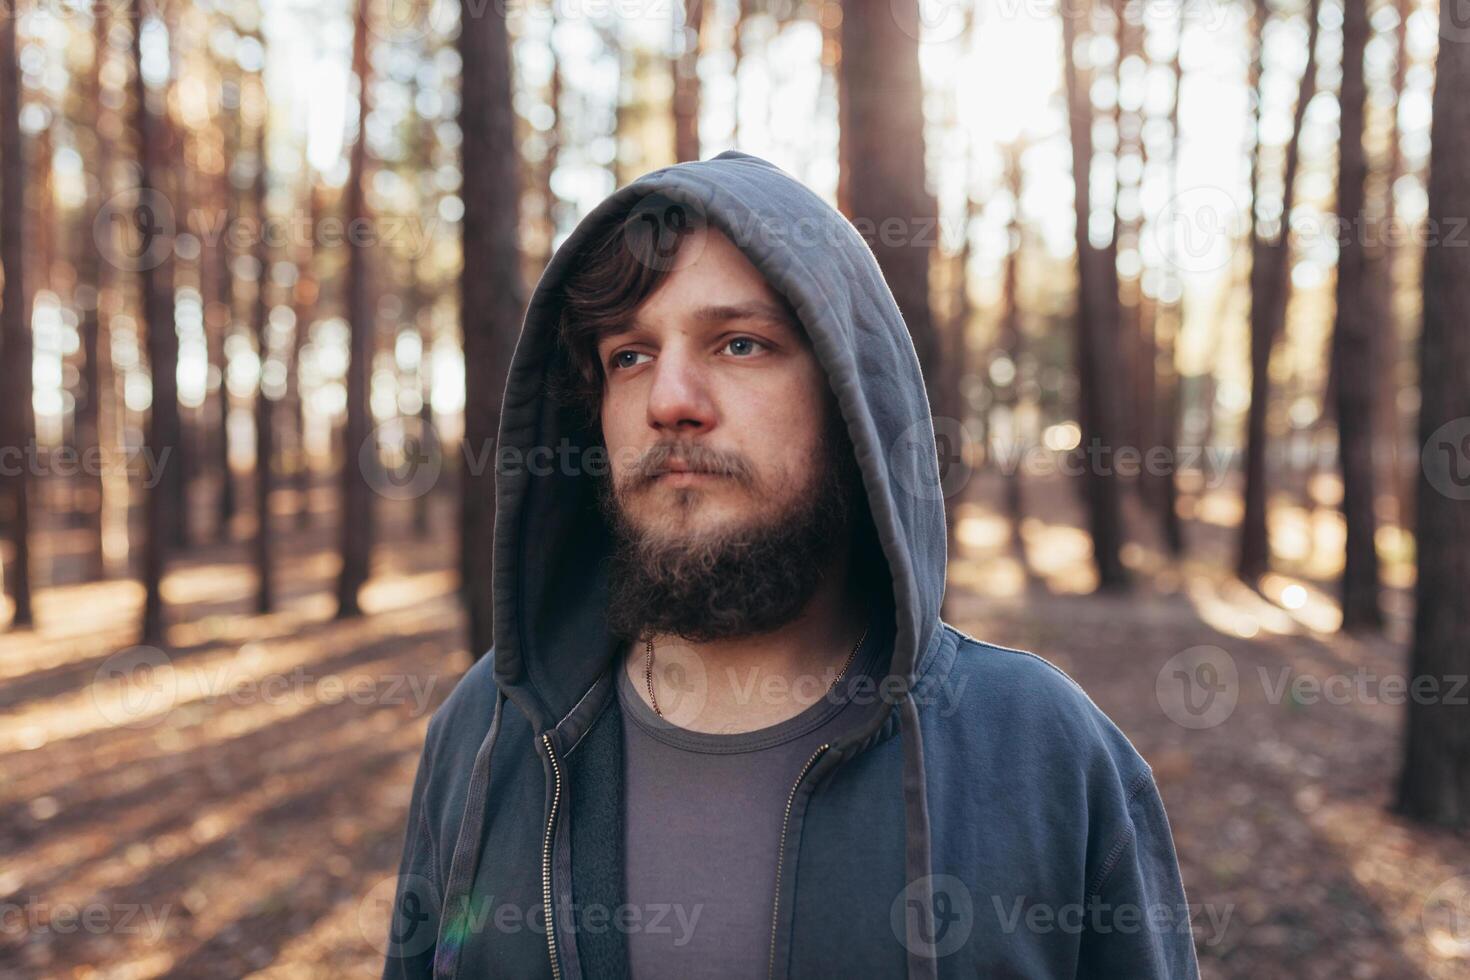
743	346
627	359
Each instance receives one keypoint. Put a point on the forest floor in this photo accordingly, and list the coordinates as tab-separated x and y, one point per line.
244	815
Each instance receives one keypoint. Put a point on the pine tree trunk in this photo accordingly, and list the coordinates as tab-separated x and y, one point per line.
173	179
491	293
1009	345
884	174
1383	254
304	298
1435	782
1096	331
1270	291
356	531
90	273
221	324
264	416
163	351
1352	339
688	42
1170	325
15	321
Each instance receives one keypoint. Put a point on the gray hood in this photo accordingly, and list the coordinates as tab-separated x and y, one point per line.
1039	800
550	580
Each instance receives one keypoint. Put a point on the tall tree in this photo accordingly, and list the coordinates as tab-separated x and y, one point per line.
1168	326
688	45
175	173
1435	782
1270	288
1008	343
264	414
15	321
220	312
550	202
1383	253
491	291
303	305
1352	338
90	273
157	290
882	153
1096	322
356	531
1132	381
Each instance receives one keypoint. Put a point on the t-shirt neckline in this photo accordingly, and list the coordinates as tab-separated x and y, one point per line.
732	743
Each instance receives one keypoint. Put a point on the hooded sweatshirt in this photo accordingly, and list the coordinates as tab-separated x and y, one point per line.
984	818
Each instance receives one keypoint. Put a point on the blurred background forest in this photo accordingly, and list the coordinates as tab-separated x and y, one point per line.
1189	281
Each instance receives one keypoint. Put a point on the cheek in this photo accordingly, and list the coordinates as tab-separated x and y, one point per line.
620	429
781	425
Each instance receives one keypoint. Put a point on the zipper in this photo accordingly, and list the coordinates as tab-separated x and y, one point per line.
781	852
546	861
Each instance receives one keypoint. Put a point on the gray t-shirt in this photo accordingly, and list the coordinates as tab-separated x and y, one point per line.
702	824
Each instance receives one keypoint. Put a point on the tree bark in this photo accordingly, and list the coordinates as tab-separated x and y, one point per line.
1169	325
15	317
163	348
882	154
492	297
689	42
303	305
264	414
220	324
356	531
1435	782
1270	291
1352	339
90	277
1382	258
1009	344
1096	322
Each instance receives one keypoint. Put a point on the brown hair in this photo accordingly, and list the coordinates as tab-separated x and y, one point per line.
621	265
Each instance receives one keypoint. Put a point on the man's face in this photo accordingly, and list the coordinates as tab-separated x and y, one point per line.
713	404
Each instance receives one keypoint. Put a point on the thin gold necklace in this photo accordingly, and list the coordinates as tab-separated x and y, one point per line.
653	698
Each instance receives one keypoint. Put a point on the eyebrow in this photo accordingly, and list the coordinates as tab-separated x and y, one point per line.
717	313
752	310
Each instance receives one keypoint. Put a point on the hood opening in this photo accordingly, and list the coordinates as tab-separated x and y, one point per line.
550	582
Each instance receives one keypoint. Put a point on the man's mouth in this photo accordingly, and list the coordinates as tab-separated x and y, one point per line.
680	475
696	467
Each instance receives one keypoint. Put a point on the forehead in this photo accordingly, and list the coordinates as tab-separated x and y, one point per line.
710	271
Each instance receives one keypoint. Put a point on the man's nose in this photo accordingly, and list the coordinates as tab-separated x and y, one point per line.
679	398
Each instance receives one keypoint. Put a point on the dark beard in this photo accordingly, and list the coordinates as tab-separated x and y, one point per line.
747	581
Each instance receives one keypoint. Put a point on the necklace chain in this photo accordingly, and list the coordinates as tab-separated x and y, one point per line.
653	697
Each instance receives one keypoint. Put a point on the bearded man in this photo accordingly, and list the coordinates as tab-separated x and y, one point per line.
723	731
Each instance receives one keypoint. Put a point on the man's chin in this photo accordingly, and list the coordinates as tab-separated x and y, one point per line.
685	519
